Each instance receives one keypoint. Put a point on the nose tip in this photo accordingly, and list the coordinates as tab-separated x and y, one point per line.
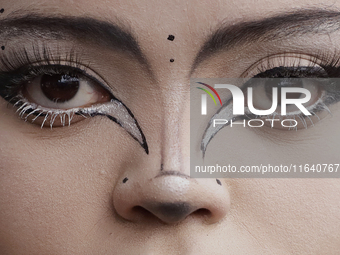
170	212
170	199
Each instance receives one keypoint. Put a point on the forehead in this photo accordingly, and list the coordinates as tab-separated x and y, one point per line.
189	19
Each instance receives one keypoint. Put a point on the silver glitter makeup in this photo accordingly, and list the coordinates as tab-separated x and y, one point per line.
225	113
114	110
211	131
117	112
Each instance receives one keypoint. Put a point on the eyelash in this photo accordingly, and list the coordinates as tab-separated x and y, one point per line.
329	67
20	67
330	63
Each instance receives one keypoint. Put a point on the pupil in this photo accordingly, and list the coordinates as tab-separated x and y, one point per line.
280	83
59	87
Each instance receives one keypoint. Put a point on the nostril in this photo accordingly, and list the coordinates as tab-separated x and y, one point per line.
170	199
202	213
169	212
173	211
165	211
143	213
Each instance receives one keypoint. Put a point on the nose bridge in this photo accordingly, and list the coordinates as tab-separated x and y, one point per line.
167	193
175	136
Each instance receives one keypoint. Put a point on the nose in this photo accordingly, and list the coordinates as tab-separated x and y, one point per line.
170	197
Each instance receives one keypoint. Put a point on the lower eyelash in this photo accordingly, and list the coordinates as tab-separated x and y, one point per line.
114	110
319	106
314	110
26	109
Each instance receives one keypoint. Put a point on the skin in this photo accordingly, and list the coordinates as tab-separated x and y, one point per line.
62	191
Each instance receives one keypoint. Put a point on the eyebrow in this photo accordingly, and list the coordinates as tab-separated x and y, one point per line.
297	23
101	33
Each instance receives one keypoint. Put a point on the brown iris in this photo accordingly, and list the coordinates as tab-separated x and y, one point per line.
281	83
59	87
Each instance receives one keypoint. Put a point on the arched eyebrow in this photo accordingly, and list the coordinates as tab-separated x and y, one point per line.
83	29
297	23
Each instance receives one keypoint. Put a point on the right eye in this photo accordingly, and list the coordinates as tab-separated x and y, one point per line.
53	94
64	91
56	95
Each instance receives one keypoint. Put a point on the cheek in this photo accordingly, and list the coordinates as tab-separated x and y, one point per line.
52	184
292	212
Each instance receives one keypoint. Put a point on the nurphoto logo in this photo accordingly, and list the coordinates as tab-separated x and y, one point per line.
238	106
238	99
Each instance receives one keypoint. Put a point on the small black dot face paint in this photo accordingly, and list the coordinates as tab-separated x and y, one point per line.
218	182
3	47
125	180
2	10
171	37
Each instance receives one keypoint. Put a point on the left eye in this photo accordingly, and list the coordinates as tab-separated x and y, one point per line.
263	92
63	91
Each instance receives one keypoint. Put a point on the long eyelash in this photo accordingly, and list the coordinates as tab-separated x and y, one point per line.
122	116
329	62
19	66
26	109
320	65
15	59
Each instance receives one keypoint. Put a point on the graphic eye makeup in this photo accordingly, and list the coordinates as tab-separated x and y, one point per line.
51	92
320	78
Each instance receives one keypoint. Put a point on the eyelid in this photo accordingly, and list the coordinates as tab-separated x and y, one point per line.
46	55
318	58
283	59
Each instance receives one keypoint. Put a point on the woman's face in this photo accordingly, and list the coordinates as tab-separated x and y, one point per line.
97	187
